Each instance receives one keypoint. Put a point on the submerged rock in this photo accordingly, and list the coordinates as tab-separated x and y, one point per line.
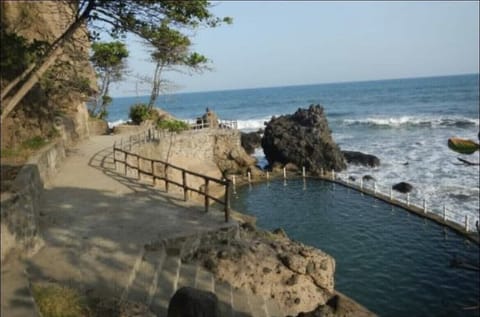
359	158
403	187
303	139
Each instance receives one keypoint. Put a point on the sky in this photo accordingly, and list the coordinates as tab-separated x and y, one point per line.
308	42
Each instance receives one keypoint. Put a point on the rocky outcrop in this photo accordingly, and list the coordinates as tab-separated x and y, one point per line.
296	276
360	158
59	96
338	305
304	139
403	187
232	159
251	141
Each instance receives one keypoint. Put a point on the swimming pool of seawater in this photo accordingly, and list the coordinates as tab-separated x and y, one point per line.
391	261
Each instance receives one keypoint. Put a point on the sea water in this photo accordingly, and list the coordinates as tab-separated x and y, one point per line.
404	122
391	261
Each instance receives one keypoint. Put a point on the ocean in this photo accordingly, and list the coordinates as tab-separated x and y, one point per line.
404	122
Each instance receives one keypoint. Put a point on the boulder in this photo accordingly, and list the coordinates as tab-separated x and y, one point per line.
403	187
368	178
191	302
302	138
359	158
251	141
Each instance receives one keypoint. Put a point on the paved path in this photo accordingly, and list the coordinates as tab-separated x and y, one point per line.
96	222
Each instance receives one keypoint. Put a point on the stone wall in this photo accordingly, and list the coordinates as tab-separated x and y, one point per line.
20	232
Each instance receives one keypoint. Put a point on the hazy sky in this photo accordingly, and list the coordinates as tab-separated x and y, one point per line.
294	43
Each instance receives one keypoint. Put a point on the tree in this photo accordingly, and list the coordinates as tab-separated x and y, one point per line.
117	18
171	51
109	60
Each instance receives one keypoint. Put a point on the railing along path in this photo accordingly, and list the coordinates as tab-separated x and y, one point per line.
122	154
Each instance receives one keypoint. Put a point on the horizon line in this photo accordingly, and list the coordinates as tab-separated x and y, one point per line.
311	84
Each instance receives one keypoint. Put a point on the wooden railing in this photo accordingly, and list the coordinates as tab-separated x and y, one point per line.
122	156
222	124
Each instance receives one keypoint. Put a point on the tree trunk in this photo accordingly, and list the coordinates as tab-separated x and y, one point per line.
29	80
155	86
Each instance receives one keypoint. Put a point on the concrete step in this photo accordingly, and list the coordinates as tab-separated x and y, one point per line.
223	291
241	305
273	310
166	285
15	291
257	305
146	278
204	280
187	275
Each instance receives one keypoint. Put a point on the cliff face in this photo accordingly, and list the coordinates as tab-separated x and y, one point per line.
56	105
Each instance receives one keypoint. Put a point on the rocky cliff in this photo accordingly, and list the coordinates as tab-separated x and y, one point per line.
304	139
55	107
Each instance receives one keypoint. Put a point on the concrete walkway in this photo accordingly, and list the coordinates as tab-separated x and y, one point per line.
96	223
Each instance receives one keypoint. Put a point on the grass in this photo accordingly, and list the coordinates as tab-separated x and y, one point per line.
55	300
24	149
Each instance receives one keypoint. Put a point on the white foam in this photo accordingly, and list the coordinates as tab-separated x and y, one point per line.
412	120
117	122
252	124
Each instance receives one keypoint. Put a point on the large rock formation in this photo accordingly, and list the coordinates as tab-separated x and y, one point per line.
296	276
304	139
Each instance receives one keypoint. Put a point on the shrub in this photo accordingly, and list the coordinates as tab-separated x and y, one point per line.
139	112
59	301
34	143
173	125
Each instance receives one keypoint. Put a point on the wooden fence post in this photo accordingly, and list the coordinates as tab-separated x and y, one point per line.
165	171
138	167
125	163
185	191
207	200
152	167
227	201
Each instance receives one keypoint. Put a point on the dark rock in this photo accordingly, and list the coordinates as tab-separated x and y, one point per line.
303	139
360	158
403	187
280	232
292	280
251	141
191	302
266	270
367	178
352	178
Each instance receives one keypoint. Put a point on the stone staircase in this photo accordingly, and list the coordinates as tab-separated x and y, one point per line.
159	272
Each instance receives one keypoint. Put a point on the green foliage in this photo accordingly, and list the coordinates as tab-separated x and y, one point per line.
173	125
54	300
171	51
109	60
34	143
140	112
108	55
17	53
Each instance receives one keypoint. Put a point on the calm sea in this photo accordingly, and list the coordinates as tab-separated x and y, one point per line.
405	122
